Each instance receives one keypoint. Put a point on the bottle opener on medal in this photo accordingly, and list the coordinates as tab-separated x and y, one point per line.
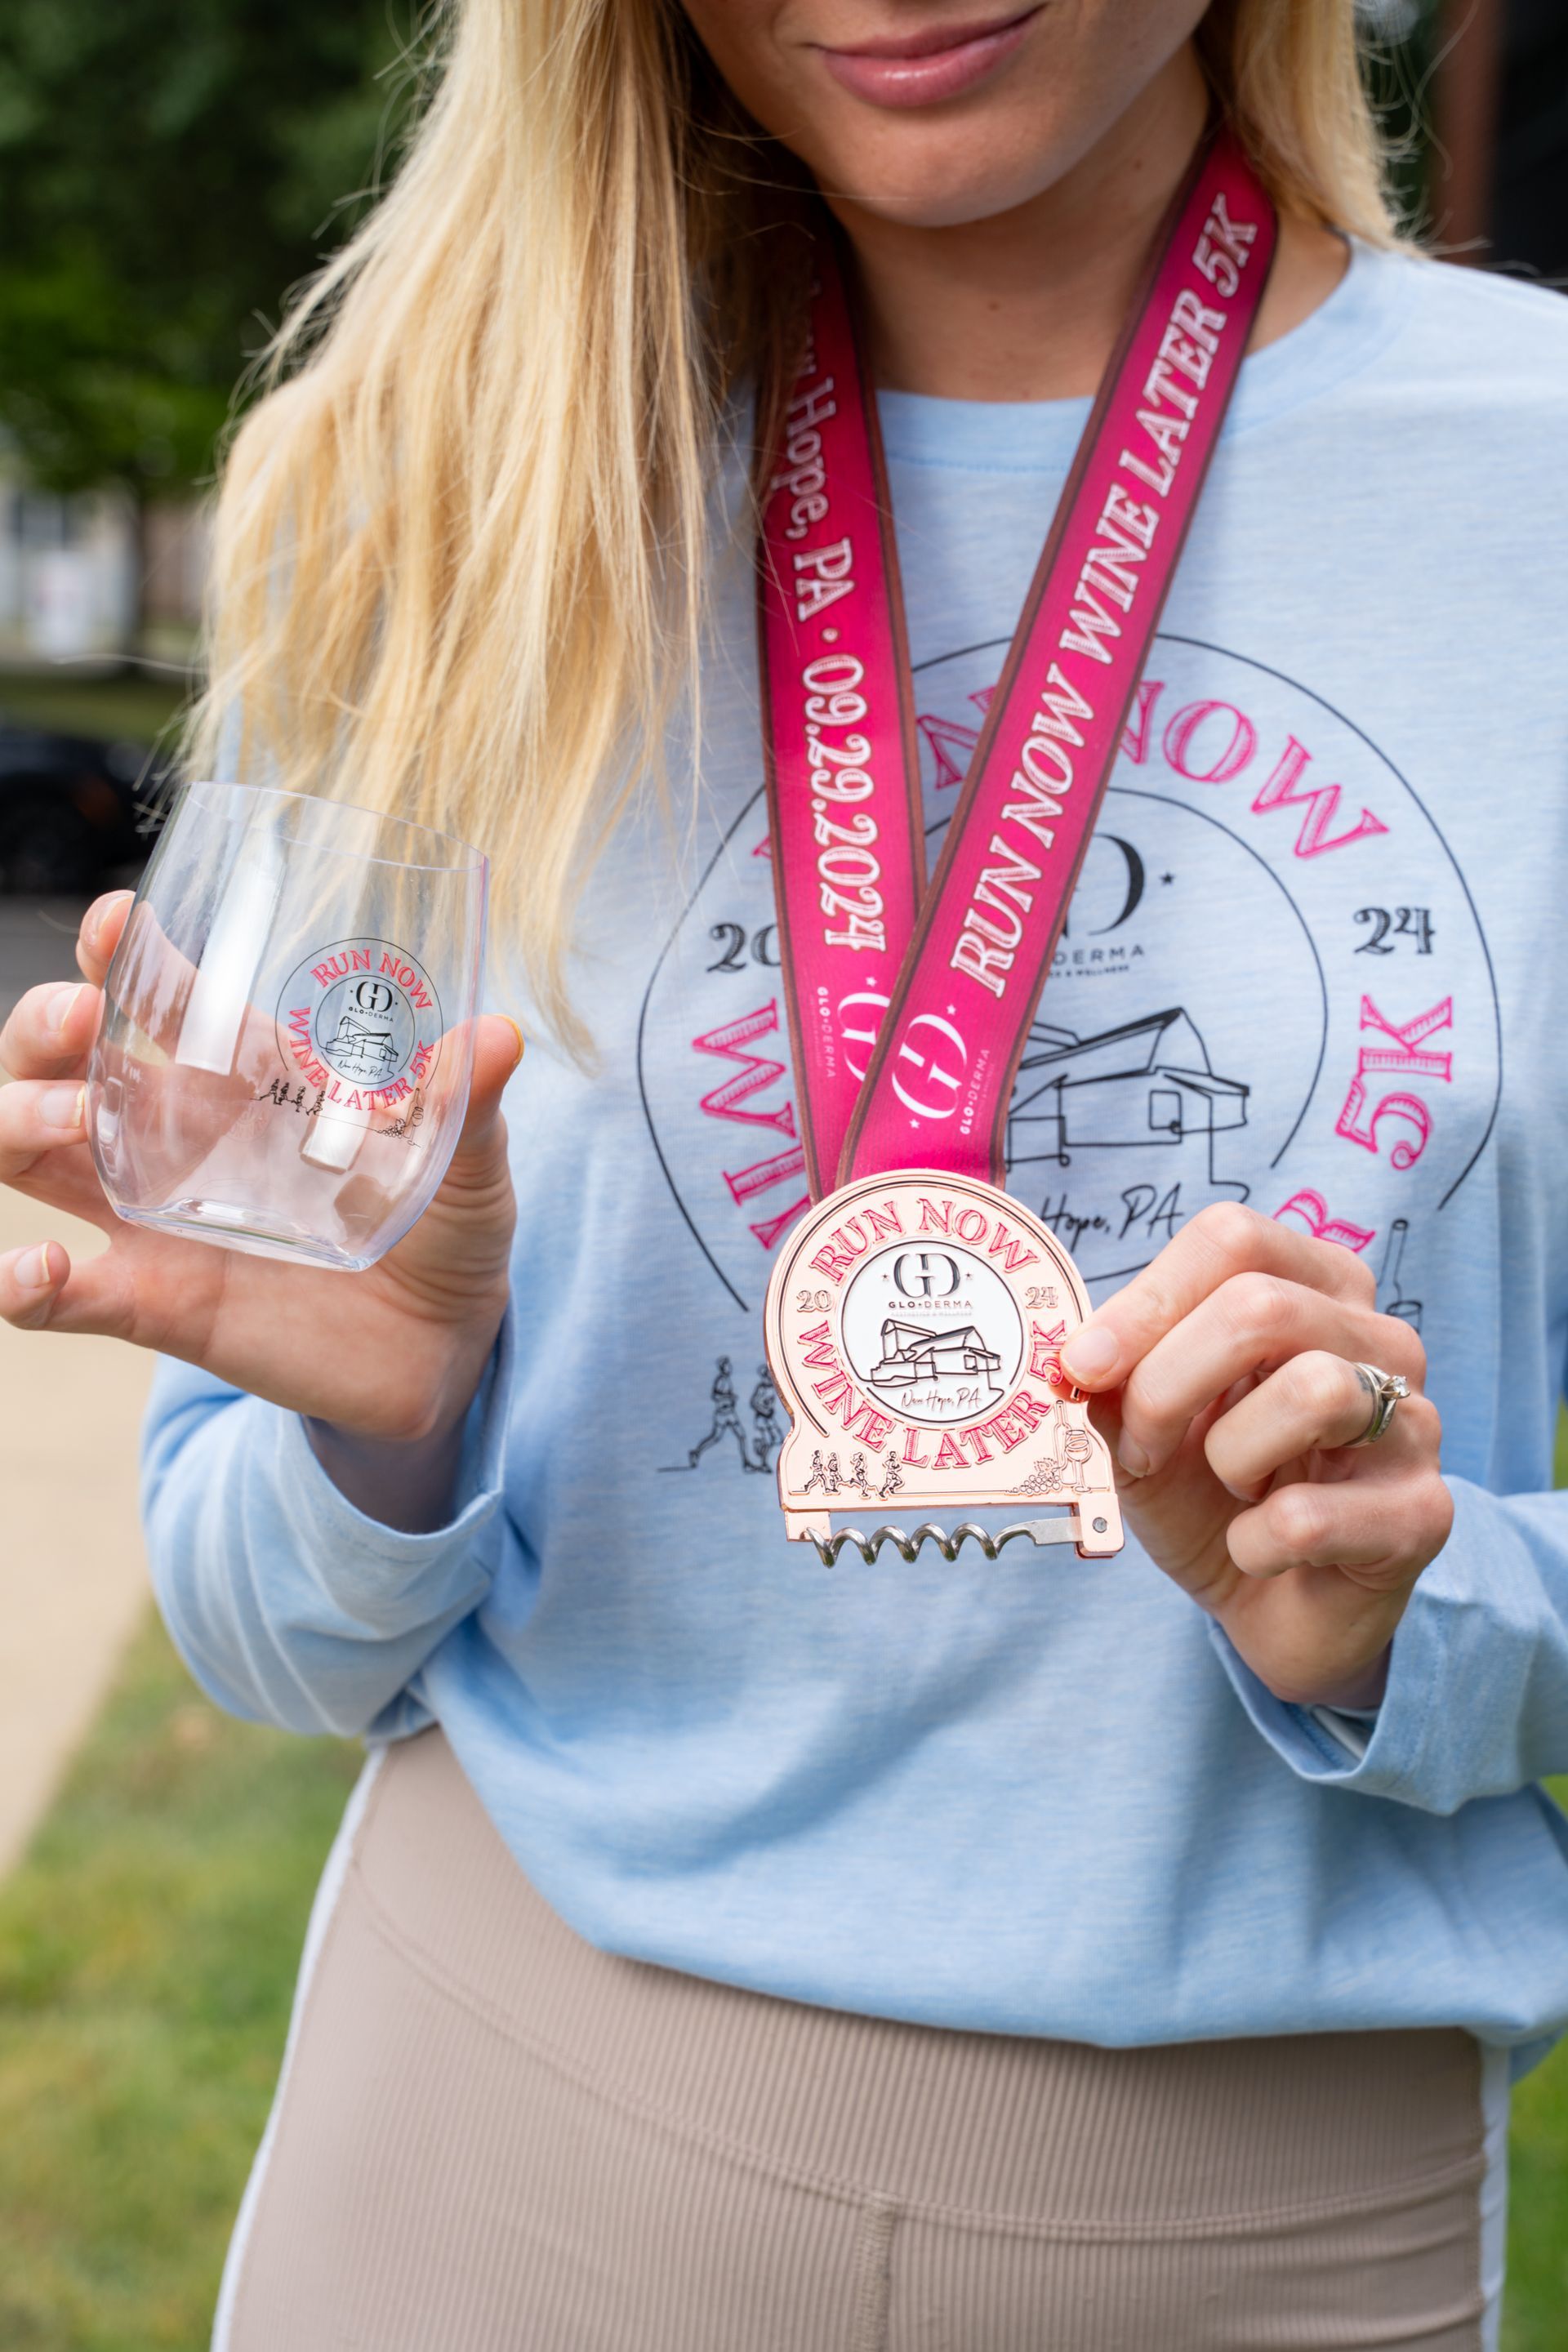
915	1317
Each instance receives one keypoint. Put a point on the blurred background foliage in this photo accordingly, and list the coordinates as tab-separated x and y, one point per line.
169	169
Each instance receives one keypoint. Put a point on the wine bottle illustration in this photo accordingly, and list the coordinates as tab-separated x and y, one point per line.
1389	1300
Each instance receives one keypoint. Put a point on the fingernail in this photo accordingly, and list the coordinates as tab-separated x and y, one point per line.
62	1107
111	905
1090	1354
57	1011
1131	1456
32	1268
516	1027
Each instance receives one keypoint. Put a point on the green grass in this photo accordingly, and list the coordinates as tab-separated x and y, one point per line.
1535	2305
147	1953
133	709
148	1946
1535	2308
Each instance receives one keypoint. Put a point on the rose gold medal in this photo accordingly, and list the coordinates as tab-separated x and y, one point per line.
915	1317
913	1327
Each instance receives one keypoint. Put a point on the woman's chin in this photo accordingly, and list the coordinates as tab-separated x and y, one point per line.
950	191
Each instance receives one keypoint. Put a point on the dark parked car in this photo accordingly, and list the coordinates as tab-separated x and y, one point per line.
72	809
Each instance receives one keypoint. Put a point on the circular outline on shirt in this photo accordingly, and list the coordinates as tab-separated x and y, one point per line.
1166	636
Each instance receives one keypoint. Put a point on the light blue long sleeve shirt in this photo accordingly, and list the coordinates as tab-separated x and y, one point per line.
1315	962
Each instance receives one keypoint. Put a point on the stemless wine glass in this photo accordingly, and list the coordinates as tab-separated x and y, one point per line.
284	1060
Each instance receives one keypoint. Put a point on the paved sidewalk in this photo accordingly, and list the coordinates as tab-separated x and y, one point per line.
73	1581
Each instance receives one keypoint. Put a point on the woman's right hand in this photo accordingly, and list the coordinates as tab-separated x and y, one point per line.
385	1362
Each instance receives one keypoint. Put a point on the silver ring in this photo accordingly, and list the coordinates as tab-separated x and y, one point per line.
1385	1390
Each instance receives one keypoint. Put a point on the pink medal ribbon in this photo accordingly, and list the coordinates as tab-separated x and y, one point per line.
915	1316
909	1010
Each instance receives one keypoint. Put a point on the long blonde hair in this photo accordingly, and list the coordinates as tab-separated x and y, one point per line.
460	544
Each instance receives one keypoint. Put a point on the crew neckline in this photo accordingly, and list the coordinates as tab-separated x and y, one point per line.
1342	335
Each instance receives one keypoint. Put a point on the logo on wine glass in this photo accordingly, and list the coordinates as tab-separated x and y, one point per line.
364	1013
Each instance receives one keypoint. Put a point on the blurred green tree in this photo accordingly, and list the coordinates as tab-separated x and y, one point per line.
168	169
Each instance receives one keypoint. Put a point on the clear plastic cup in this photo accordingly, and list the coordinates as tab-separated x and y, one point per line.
284	1061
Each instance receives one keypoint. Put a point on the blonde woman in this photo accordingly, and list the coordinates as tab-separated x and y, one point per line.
720	1951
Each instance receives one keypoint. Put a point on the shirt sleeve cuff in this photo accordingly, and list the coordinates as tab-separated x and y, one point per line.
365	1549
1448	1675
1314	1744
1349	1726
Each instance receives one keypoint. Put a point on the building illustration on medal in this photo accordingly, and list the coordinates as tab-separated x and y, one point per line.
1146	1082
954	1366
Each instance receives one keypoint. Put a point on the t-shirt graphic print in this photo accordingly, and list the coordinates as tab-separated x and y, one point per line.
1273	988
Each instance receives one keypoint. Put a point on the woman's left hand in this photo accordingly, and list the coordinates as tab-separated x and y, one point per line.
1225	1381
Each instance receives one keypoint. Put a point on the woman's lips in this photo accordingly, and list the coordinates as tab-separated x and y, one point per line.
920	68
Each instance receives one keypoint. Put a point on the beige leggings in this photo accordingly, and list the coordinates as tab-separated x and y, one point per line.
492	2137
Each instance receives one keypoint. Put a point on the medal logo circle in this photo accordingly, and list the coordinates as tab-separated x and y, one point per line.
362	1009
912	1327
933	1332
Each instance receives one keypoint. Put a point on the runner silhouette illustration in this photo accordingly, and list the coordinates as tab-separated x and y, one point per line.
764	1425
893	1482
824	1475
726	1420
